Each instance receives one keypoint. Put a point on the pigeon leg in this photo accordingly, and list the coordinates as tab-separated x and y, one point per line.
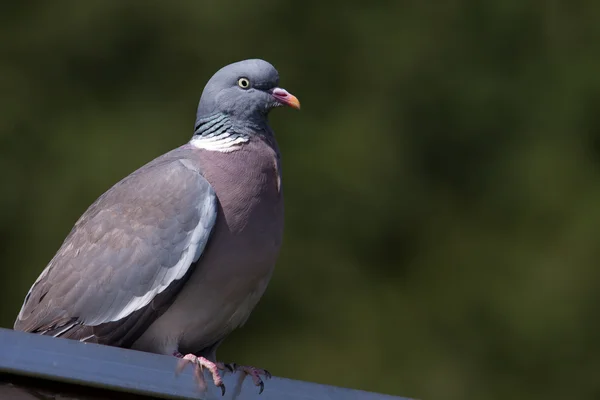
253	372
199	364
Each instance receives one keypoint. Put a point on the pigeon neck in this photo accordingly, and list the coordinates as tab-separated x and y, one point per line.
217	132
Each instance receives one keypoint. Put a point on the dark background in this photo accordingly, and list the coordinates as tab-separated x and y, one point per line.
442	180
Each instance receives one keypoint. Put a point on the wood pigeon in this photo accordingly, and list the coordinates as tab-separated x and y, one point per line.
176	255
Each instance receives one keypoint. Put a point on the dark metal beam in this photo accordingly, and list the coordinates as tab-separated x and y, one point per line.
137	373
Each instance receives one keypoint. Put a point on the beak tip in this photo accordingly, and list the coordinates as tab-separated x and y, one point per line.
294	103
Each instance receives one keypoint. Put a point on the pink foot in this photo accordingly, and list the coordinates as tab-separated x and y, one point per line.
253	372
200	363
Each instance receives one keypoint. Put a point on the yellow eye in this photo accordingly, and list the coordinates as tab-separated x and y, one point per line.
244	83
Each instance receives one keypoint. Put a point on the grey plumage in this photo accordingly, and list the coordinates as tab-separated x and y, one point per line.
177	254
141	223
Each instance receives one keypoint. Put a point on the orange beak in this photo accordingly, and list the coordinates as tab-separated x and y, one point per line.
285	97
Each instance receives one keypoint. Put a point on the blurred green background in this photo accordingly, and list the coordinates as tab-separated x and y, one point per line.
442	181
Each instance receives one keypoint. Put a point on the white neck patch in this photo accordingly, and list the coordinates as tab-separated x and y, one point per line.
224	142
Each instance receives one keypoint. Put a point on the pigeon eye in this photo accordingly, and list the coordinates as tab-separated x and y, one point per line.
244	83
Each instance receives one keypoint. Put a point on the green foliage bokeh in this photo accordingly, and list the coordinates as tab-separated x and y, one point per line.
442	180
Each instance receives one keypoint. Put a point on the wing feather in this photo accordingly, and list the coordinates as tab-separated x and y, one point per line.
126	257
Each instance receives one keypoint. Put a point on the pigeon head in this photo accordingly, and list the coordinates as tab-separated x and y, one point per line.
245	92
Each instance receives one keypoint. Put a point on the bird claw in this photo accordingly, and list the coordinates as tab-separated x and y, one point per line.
200	363
253	372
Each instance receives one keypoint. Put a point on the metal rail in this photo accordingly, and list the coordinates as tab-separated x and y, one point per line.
108	369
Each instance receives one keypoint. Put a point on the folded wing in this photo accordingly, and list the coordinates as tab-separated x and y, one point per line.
126	257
